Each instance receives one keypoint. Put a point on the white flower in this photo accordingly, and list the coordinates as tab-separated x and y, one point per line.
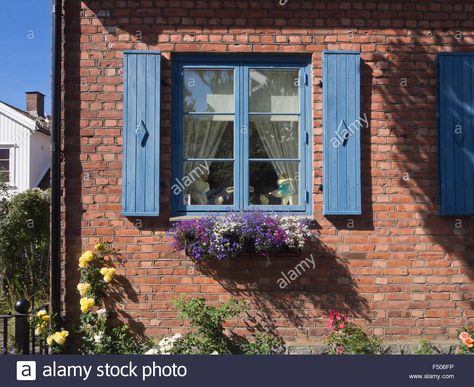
166	344
98	338
215	353
101	313
152	351
177	336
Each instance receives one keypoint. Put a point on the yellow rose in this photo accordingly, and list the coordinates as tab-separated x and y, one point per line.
108	273
88	256
45	318
83	288
85	258
87	304
49	340
60	337
99	246
38	330
40	313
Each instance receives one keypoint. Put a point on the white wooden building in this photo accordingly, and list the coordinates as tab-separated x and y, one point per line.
24	144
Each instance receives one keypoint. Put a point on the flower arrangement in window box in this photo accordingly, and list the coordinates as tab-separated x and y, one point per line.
225	237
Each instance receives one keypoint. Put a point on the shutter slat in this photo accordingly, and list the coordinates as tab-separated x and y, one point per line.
141	134
341	116
455	128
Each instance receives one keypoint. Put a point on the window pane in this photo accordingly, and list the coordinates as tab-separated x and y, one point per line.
208	183
4	165
273	137
274	91
208	91
208	137
274	183
4	154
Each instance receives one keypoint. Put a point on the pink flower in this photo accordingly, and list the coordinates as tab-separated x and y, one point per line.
464	335
340	349
342	325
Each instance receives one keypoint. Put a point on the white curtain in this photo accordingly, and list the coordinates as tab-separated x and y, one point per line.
201	140
279	134
280	143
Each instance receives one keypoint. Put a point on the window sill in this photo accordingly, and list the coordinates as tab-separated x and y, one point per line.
181	218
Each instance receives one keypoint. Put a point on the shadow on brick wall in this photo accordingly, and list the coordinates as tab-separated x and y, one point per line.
438	248
285	292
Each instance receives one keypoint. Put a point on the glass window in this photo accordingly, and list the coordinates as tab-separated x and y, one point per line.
4	165
240	137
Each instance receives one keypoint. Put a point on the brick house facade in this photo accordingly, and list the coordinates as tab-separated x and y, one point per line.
399	268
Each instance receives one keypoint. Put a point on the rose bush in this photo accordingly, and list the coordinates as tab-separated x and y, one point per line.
96	336
346	338
466	336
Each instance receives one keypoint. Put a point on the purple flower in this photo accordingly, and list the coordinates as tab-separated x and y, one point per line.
224	237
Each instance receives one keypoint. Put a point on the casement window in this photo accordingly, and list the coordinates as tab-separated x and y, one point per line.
456	133
5	166
241	134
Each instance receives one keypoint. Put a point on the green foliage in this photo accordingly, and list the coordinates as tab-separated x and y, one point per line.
208	318
209	335
99	339
352	340
24	245
425	348
264	344
208	321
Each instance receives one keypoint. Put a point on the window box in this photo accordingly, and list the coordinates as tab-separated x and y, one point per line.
228	236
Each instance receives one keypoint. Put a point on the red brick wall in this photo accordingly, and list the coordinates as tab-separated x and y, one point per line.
399	268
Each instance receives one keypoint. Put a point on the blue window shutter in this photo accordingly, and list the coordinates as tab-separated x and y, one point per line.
456	133
341	133
141	134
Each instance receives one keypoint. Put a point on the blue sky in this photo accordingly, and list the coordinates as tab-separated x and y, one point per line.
25	47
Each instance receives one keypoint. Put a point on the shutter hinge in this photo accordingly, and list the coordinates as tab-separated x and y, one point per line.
307	138
307	196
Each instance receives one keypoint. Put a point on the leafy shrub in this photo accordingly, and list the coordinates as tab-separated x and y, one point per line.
425	348
208	336
24	245
264	344
346	338
227	236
